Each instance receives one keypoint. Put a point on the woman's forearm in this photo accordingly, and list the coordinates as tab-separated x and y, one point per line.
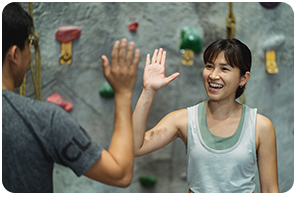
140	116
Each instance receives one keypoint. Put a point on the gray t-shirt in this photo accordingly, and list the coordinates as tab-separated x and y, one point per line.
36	134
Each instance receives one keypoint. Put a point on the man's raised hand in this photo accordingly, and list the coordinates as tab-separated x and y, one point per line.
121	75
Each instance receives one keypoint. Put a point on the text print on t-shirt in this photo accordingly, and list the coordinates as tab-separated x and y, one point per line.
68	150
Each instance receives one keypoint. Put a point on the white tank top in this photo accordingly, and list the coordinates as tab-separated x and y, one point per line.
230	170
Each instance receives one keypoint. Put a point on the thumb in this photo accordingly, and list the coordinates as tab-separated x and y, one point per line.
172	77
105	65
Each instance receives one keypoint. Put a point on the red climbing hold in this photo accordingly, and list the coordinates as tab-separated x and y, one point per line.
133	26
57	99
67	33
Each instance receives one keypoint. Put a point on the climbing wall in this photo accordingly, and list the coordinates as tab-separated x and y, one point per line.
159	25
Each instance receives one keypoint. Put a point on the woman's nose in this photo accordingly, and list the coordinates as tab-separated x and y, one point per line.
214	74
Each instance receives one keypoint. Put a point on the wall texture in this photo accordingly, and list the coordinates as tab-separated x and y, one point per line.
160	24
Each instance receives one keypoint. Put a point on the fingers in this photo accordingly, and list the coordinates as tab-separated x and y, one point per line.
163	59
154	57
115	54
159	56
122	53
130	53
119	56
148	60
136	59
105	65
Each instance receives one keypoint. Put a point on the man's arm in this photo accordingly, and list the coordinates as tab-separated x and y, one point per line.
267	155
115	166
153	80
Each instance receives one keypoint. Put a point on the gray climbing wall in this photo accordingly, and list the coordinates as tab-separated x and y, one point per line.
160	24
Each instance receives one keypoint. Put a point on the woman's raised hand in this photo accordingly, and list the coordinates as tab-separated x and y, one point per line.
154	72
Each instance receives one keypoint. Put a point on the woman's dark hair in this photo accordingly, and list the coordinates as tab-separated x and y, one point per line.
16	27
236	54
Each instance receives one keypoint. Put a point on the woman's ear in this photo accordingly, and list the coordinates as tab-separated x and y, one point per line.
245	78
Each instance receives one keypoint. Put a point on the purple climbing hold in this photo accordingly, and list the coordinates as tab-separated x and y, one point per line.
269	5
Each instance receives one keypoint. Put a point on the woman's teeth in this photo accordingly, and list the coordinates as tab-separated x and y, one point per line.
214	85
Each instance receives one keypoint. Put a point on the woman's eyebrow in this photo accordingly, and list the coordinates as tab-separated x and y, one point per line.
225	64
222	64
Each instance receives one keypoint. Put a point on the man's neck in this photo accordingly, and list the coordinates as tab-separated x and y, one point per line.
7	80
5	87
7	83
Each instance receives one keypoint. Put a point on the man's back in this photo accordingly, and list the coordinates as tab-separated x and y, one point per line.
35	135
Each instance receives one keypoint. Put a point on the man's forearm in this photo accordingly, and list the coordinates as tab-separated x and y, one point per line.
121	146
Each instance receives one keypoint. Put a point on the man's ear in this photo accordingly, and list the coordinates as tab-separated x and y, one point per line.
13	54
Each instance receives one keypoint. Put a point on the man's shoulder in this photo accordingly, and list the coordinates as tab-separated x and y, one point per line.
26	104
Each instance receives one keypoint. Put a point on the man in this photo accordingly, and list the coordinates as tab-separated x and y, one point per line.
36	134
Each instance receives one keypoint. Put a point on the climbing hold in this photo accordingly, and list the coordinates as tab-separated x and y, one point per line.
106	91
147	180
133	26
190	39
190	43
58	100
66	35
270	46
269	5
271	62
187	57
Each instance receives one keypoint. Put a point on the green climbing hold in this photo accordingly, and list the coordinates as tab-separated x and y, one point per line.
147	180
106	91
190	39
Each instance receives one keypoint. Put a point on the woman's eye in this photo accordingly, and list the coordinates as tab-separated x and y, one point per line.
208	66
225	69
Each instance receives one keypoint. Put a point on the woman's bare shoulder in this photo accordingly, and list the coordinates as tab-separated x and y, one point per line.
265	131
263	123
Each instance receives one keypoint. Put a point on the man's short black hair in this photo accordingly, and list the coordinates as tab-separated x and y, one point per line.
16	27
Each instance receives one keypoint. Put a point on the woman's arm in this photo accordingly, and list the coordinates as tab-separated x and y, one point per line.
168	129
267	155
153	80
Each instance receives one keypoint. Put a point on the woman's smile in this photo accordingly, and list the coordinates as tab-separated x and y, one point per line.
215	87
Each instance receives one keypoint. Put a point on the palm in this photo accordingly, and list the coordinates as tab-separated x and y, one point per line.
154	77
154	74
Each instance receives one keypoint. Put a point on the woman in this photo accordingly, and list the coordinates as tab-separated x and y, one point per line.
224	139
